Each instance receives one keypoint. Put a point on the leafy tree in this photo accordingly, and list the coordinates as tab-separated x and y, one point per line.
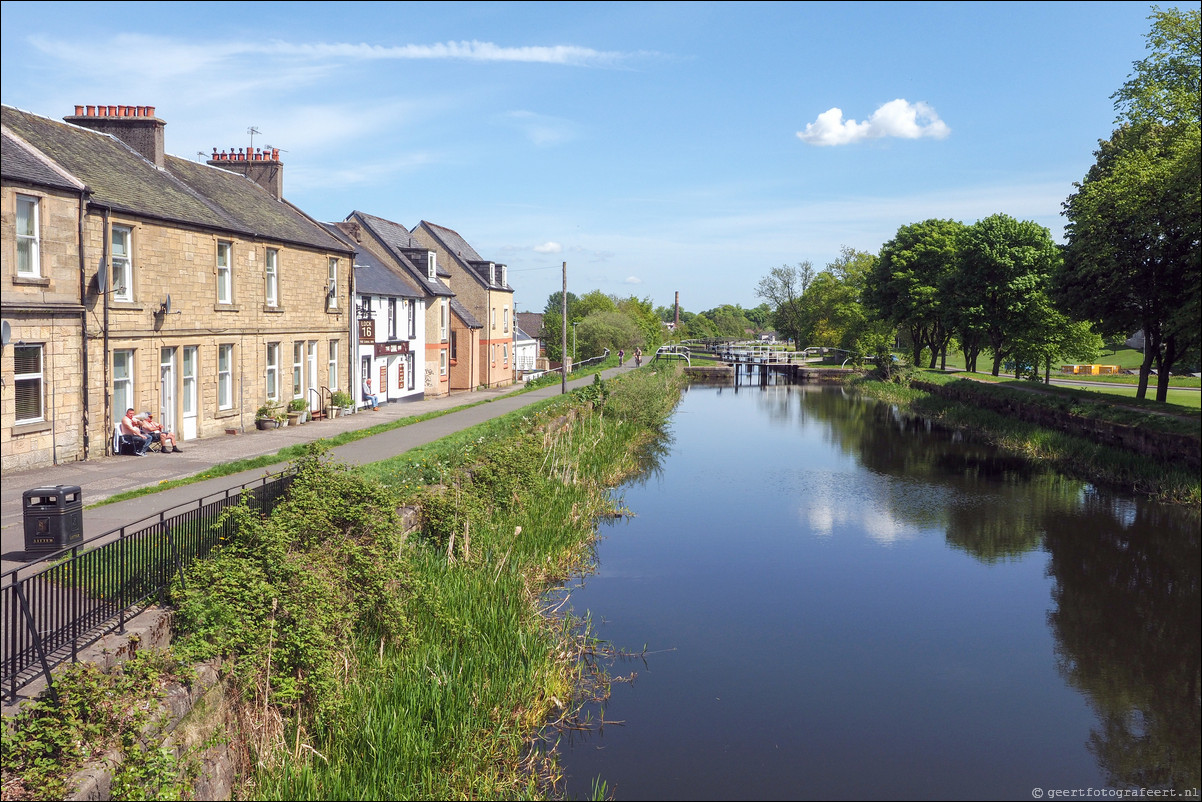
606	329
910	285
1004	271
1132	259
782	288
643	314
552	333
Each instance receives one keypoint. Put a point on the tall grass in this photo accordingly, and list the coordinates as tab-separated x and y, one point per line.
456	710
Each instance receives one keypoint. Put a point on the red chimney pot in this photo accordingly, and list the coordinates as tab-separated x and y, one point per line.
112	111
79	111
150	111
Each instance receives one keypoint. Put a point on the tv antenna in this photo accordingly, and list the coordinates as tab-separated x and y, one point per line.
252	131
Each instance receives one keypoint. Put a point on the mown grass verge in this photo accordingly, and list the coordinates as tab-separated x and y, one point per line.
1073	455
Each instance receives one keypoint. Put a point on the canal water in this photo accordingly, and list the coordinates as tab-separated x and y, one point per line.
818	598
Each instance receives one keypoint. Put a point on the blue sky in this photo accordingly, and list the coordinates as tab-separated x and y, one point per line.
654	147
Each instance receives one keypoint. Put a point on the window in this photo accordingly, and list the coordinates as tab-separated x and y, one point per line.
123	381
505	353
333	365
442	362
27	378
332	284
504	276
121	260
312	360
506	319
189	381
410	363
225	376
392	318
492	354
431	264
411	317
225	277
273	371
298	360
442	320
492	274
454	345
492	317
28	238
272	290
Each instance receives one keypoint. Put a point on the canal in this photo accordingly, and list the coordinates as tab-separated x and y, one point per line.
818	598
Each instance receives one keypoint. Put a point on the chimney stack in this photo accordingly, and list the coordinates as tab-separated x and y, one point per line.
676	321
136	126
261	166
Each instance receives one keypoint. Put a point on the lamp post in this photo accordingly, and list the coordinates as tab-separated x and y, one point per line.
574	325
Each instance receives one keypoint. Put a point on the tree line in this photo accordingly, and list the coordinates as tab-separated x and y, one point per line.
1002	287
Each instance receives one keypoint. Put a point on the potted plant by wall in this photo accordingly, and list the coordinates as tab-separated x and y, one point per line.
340	399
266	417
297	411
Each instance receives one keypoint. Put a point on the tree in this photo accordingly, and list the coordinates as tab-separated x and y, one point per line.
606	329
782	288
1132	259
1004	272
642	312
910	284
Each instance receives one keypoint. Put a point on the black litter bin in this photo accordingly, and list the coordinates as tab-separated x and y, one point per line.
53	517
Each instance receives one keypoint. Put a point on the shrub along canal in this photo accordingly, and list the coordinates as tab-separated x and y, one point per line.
830	600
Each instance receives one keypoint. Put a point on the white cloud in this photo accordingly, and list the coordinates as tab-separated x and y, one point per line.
897	118
633	280
548	247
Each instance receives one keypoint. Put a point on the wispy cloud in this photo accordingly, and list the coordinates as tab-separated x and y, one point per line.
549	247
541	129
897	118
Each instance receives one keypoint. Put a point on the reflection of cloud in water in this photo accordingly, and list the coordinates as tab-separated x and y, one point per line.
873	506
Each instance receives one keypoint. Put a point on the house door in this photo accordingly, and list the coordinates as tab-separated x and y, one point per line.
167	388
189	428
364	373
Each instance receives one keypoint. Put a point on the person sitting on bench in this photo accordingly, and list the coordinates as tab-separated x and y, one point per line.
131	429
368	396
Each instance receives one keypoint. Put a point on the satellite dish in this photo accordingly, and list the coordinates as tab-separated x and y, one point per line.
101	276
167	305
6	333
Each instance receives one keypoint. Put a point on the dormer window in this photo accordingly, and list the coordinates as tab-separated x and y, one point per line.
492	273
504	276
432	265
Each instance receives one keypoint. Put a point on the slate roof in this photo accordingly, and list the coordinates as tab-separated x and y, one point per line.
184	192
467	317
372	275
459	249
20	161
529	321
394	237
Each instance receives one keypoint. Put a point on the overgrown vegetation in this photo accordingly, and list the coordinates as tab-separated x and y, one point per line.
97	713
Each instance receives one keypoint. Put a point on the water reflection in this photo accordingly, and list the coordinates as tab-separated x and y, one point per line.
1127	625
797	569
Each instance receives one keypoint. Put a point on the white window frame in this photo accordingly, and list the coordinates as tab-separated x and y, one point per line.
332	283
492	317
29	242
444	310
225	376
123	381
333	365
271	274
506	320
431	265
35	379
504	275
311	363
225	272
411	319
442	362
298	369
273	372
122	265
392	319
505	354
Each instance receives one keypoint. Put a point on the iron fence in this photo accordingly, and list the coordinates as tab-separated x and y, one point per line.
82	593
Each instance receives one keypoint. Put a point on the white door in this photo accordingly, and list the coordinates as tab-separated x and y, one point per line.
167	388
314	398
189	430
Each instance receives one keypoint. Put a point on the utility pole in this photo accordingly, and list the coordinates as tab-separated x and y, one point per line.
563	350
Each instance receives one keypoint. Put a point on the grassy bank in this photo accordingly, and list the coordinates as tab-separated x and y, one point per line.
1073	455
376	666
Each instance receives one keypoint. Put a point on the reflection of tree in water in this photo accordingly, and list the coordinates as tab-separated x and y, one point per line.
993	506
1127	622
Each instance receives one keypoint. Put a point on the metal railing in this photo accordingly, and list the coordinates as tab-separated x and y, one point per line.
93	588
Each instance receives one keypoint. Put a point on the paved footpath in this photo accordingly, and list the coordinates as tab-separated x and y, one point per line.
100	478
